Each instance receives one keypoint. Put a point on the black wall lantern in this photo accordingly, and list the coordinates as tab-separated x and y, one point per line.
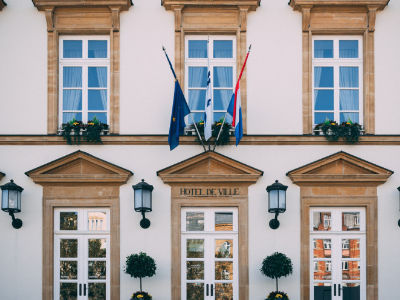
398	223
11	201
143	202
276	201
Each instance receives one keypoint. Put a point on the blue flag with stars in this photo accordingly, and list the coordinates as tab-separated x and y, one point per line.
179	110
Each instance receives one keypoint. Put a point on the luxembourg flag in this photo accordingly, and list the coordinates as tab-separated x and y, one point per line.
235	107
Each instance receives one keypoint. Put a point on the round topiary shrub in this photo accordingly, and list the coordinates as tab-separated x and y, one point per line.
276	266
139	266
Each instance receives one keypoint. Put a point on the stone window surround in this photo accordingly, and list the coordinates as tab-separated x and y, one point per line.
208	17
82	17
331	17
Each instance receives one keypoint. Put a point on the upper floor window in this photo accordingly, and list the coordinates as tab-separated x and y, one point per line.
337	78
84	78
217	55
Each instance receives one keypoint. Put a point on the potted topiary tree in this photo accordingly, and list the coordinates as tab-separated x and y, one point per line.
275	266
139	266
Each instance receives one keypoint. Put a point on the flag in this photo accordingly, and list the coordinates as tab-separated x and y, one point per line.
180	110
235	107
208	115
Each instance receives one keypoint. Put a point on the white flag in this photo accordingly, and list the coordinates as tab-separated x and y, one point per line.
208	117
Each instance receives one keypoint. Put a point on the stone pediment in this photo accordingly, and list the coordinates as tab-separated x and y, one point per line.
80	167
209	167
340	167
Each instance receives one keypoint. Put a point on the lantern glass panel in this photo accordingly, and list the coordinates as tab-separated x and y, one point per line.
147	200
282	200
138	199
273	200
4	201
13	199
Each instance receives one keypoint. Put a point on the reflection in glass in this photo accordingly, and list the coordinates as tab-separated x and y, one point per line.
68	270
69	248
194	221
223	221
194	248
68	221
351	221
97	49
223	291
322	291
194	270
350	270
322	270
351	291
321	221
223	270
97	247
194	291
97	291
97	221
322	248
97	269
350	248
224	248
68	291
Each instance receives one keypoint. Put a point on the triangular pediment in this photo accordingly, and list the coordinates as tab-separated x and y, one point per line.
209	166
340	167
81	167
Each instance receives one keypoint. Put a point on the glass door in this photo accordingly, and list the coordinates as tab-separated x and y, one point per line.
338	269
209	254
81	254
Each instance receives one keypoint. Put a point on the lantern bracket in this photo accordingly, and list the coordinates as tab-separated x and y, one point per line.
16	223
274	223
144	222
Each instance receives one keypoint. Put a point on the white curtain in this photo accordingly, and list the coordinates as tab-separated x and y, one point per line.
72	98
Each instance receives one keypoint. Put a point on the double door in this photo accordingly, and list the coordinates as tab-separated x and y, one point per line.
209	254
338	268
81	255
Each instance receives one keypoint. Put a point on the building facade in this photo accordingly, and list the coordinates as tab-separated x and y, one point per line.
89	61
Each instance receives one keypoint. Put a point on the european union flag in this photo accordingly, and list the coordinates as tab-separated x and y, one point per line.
179	110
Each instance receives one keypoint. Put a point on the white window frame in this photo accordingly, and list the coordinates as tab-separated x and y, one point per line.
83	62
337	62
211	63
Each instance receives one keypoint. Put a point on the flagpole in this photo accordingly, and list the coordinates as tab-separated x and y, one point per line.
223	122
195	126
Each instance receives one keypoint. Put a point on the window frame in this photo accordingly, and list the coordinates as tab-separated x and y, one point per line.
85	62
211	63
336	63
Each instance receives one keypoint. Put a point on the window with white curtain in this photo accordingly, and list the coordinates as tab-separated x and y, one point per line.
337	79
218	55
84	78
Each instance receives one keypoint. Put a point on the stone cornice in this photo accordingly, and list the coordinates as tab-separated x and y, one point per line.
251	4
51	4
300	4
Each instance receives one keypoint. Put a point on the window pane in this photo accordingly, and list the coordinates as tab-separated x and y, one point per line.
345	116
222	98
68	221
223	291
348	49
97	77
321	117
194	270
102	117
198	49
197	77
323	49
197	99
321	221
97	291
194	221
351	221
97	99
72	99
322	291
197	116
69	248
219	116
194	248
69	116
323	99
223	77
322	248
72	49
97	221
97	49
223	49
68	291
223	221
323	77
349	99
223	270
350	248
195	291
68	270
97	270
97	247
72	77
351	291
224	248
351	270
348	77
323	270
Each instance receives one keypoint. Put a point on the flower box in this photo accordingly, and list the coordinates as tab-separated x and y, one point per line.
333	131
74	131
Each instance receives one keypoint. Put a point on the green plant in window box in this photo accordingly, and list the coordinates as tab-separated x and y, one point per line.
94	128
74	130
215	129
349	131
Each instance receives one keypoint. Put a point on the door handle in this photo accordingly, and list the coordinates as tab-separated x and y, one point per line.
207	289
339	290
212	290
334	289
84	289
80	289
